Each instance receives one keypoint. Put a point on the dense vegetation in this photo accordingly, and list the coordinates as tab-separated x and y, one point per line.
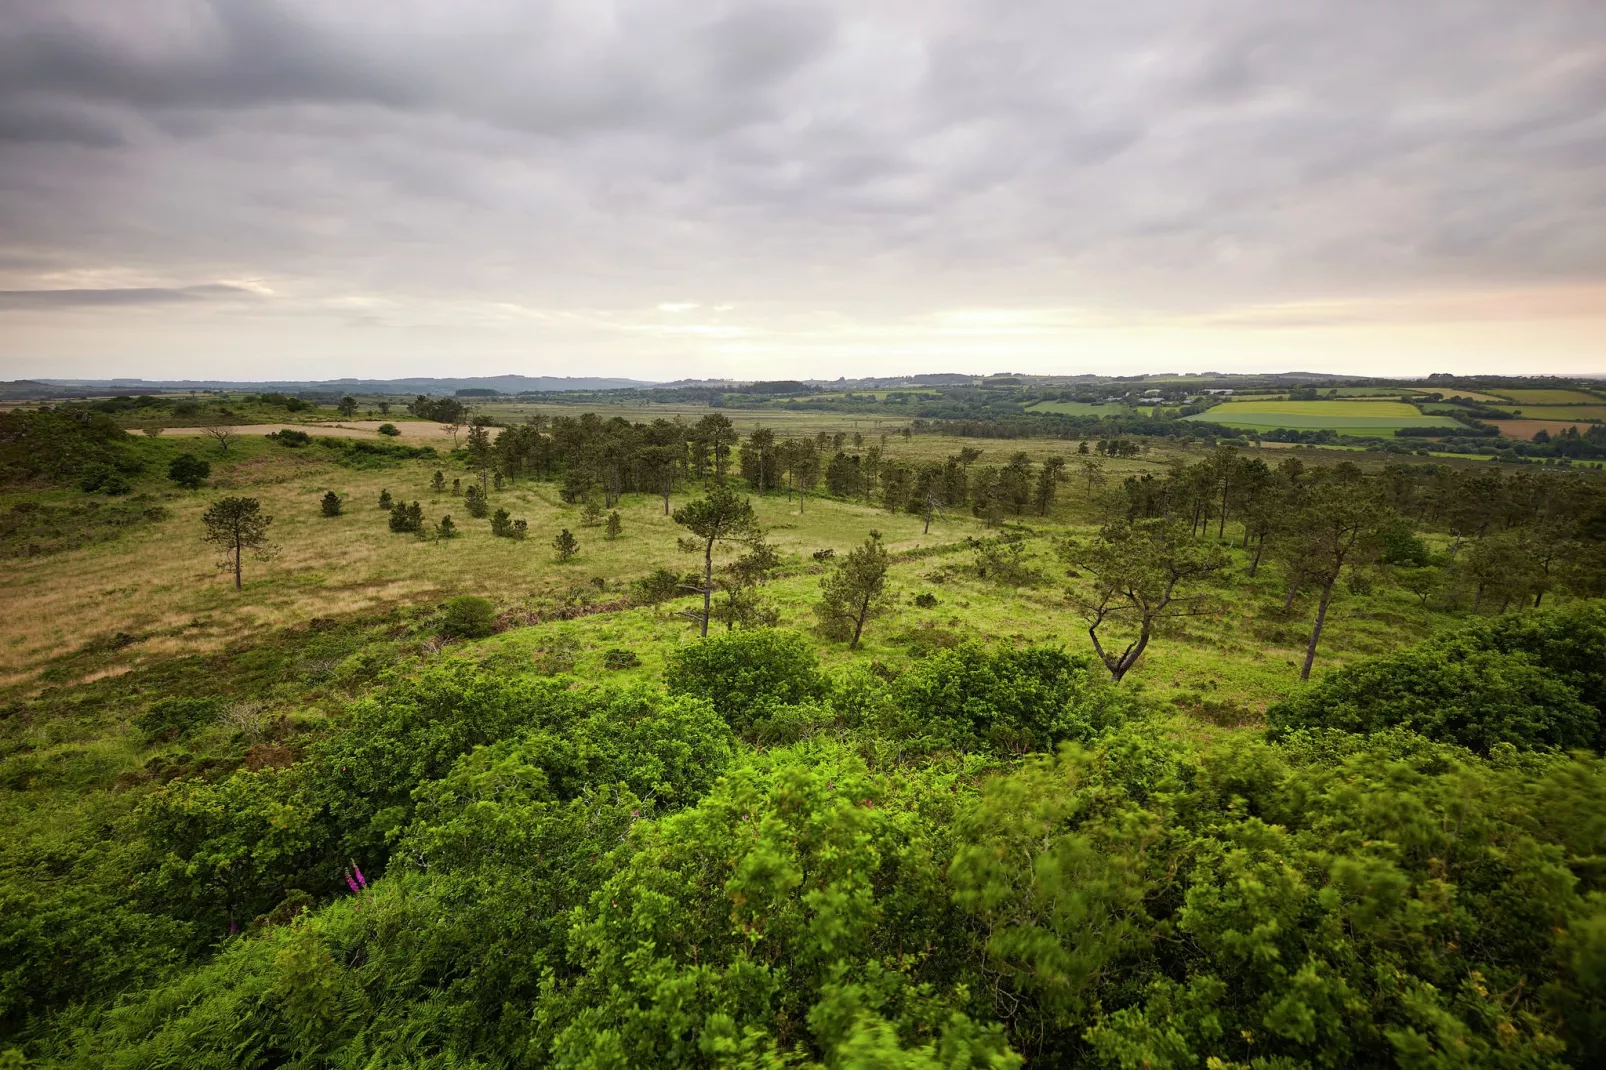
385	841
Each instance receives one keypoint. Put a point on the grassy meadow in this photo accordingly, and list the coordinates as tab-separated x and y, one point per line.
157	592
1363	417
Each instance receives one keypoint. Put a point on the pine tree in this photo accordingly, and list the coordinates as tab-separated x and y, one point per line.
615	525
566	545
437	482
855	593
330	504
446	529
237	525
385	500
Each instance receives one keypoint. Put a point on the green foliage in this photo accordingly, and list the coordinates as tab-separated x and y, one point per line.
290	438
1531	680
797	916
468	616
1008	701
170	718
474	501
237	526
58	445
33	529
619	658
1348	910
565	544
389	430
188	470
615	526
385	500
746	673
855	593
407	519
329	504
660	585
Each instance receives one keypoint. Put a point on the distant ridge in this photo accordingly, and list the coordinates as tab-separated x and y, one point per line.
506	384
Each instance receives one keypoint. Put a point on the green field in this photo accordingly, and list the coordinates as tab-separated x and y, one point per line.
1362	417
1550	397
1561	412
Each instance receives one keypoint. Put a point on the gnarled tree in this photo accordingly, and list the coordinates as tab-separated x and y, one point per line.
1141	573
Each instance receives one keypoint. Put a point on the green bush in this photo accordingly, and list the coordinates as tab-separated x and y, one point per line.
291	438
389	430
468	616
660	585
744	673
170	718
1532	680
1011	701
619	658
188	470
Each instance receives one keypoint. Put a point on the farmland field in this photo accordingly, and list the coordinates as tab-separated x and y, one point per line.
1366	417
1549	397
1526	429
1561	412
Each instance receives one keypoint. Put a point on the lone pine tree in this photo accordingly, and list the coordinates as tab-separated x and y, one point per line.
237	526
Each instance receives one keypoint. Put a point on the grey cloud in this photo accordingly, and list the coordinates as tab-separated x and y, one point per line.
907	155
119	296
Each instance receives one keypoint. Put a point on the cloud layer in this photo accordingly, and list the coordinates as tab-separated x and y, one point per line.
519	184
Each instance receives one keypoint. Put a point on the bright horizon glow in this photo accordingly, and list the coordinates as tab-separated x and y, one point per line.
282	189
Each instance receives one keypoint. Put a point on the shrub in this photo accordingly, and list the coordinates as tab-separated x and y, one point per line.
501	523
660	585
290	438
745	673
474	501
925	600
388	430
385	500
468	616
447	529
1011	701
329	504
615	526
1534	680
619	658
1474	698
822	556
170	718
188	470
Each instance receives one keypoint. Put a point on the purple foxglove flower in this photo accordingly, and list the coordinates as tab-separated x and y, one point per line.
360	878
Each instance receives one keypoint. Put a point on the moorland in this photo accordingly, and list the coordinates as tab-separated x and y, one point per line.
923	727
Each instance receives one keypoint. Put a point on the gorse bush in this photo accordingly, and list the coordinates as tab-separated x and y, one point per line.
608	880
468	616
169	718
746	673
1009	701
1530	680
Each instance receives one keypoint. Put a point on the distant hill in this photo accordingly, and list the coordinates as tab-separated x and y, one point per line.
503	384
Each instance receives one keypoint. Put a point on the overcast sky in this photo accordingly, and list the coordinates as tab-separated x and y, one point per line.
305	188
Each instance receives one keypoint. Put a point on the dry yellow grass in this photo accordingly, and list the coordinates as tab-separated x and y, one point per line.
160	583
